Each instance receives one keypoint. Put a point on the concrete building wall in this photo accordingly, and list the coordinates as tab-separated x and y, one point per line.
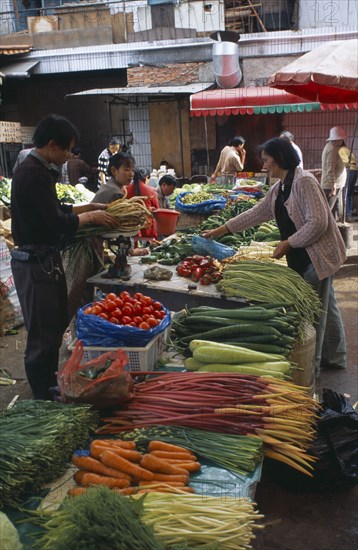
327	13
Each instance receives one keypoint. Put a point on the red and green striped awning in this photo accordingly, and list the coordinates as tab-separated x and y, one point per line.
253	101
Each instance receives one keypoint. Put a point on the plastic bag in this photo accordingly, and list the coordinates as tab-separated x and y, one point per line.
216	203
335	446
111	387
206	247
95	331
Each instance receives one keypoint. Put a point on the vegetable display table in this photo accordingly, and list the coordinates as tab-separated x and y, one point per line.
175	294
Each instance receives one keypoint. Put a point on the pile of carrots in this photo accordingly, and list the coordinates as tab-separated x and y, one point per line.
117	464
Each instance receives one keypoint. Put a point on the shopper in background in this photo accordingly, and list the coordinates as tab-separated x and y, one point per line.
167	185
334	173
114	147
310	240
38	221
231	161
291	139
77	168
139	188
349	162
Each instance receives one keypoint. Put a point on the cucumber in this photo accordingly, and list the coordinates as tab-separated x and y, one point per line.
245	313
236	331
222	353
192	364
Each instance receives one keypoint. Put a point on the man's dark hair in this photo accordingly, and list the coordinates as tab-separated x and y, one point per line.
114	141
57	128
283	153
168	179
237	140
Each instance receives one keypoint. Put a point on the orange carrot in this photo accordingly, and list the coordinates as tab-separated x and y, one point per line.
162	446
76	491
155	464
169	478
176	490
130	445
190	466
88	478
92	465
96	449
165	454
114	460
180	461
161	484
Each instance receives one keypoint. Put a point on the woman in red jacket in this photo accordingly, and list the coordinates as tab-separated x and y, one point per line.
138	188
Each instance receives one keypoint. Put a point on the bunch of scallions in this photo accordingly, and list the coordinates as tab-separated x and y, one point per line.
131	215
37	441
268	282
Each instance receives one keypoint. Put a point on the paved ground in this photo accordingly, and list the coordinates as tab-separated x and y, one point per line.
297	521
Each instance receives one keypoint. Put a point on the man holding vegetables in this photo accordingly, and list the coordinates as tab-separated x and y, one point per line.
310	240
38	221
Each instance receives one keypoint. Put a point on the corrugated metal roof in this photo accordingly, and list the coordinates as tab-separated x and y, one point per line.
12	49
147	90
22	69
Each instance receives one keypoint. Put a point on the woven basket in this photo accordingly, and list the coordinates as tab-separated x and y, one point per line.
192	220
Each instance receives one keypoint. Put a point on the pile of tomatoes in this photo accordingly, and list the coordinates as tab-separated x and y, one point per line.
202	269
138	311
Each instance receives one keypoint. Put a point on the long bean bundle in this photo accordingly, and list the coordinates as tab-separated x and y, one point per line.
239	453
37	440
276	411
227	523
261	281
131	214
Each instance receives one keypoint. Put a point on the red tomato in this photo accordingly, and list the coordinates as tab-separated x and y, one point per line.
148	309
144	326
118	302
157	305
126	320
103	316
125	296
132	324
138	320
162	314
127	311
157	314
114	320
117	313
137	308
109	305
111	296
146	300
152	322
138	296
146	316
88	311
96	310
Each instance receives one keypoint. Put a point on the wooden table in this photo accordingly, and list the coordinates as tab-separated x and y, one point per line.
173	294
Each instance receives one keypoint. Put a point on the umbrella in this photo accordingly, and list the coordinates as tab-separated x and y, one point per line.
328	74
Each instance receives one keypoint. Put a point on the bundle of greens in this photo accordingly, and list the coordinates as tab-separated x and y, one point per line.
37	441
98	519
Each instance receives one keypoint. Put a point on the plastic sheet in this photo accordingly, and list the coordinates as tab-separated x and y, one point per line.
95	331
216	203
207	247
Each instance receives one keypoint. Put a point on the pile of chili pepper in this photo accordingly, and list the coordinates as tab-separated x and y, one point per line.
202	269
